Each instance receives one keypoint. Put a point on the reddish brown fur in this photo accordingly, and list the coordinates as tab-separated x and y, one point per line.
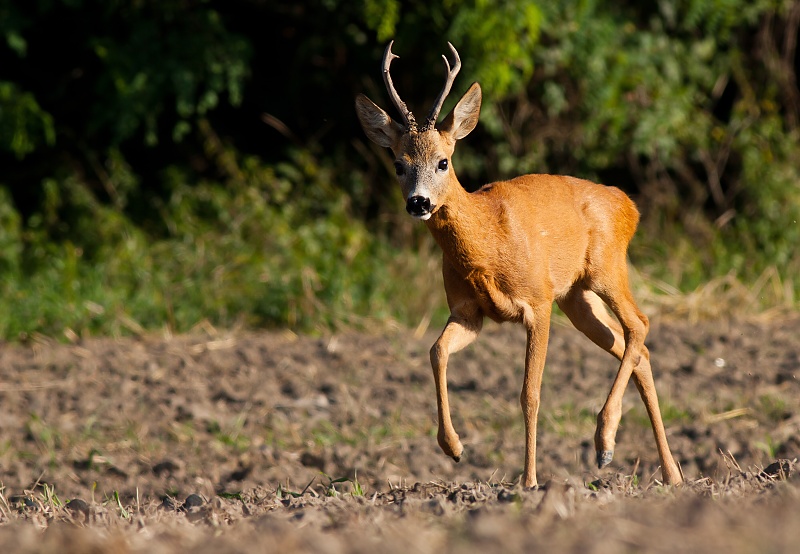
513	248
517	224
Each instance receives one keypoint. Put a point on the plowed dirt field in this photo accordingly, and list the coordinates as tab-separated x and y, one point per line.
269	441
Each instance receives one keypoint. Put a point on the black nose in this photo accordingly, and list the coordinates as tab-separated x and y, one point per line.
418	206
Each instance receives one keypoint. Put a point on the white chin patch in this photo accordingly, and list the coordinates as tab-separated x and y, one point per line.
425	217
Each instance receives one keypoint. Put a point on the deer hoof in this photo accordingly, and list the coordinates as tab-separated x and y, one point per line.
452	448
604	458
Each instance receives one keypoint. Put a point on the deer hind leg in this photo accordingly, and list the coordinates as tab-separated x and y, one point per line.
634	361
643	378
457	334
587	313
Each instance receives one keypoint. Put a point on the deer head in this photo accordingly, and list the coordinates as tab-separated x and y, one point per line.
422	156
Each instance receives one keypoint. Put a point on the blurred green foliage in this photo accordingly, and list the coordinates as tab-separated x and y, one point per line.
24	125
167	162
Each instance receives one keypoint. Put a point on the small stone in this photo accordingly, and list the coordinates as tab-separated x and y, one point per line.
78	505
193	501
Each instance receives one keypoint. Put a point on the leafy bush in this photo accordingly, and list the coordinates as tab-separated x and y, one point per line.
168	163
234	253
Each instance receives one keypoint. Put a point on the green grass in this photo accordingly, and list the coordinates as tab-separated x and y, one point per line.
568	420
373	431
231	434
773	408
358	490
115	501
670	414
48	438
769	446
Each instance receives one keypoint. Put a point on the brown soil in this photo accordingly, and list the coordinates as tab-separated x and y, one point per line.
219	442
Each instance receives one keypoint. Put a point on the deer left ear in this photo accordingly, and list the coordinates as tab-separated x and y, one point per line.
464	117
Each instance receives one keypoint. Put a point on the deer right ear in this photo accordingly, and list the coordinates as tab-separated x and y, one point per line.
464	117
376	123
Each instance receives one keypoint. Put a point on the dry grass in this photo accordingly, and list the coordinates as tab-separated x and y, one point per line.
770	296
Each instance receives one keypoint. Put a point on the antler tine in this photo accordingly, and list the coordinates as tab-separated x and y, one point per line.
430	121
405	113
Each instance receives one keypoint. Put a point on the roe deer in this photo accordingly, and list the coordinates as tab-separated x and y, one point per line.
510	250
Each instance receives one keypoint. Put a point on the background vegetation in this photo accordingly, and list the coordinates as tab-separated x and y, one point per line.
167	162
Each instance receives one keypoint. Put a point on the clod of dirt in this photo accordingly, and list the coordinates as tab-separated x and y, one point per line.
435	506
240	474
505	495
78	505
22	502
193	501
603	483
168	504
78	509
166	467
779	469
312	460
559	500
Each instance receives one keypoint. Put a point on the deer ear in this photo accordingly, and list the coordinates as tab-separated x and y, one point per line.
464	117
376	123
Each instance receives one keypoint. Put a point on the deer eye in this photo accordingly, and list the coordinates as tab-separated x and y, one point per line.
398	168
442	165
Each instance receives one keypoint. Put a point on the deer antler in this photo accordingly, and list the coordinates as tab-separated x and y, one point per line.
430	121
405	113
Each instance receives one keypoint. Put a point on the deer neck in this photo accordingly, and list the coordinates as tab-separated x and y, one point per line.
463	227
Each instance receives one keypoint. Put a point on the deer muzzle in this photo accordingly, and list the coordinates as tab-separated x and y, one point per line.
419	207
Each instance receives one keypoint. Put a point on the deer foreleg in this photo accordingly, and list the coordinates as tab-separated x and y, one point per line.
538	334
457	334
